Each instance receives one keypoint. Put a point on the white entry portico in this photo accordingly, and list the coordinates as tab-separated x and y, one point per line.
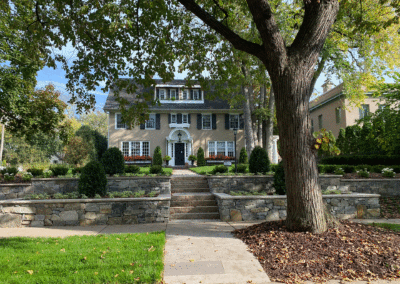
179	146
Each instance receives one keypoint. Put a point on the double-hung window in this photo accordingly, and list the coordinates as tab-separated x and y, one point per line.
174	118
136	148
364	111
234	121
196	95
172	94
162	94
119	123
185	118
338	112
206	121
223	148
185	94
151	122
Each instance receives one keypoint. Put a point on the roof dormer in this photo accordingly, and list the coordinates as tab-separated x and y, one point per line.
178	94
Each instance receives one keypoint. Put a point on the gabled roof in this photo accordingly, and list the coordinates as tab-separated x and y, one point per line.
326	97
215	104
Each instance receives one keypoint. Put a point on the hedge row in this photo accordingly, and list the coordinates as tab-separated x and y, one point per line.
361	160
330	169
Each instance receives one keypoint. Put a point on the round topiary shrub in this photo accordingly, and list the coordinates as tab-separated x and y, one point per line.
279	179
157	157
35	171
132	169
242	168
243	156
113	161
259	161
93	180
156	169
200	158
59	170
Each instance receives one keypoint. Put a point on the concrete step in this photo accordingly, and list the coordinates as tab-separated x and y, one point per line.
194	209
190	203
189	189
189	185
186	183
194	216
192	196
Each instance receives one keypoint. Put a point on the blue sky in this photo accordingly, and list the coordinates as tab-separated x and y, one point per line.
57	78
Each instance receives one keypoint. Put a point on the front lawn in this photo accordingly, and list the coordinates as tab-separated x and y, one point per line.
393	227
118	258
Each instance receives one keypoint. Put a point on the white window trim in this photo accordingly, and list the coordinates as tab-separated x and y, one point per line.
155	122
165	94
187	94
238	121
176	124
130	147
182	101
116	121
176	118
198	93
187	118
170	94
202	121
216	148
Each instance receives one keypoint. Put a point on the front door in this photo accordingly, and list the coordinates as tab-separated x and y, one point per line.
179	154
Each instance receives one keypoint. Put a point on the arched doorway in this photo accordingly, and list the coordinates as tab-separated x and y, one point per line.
179	146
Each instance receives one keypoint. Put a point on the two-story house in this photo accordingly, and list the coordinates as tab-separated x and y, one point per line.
184	121
332	110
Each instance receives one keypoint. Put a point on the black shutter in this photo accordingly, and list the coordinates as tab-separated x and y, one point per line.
158	93
177	94
241	121
214	121
226	121
169	118
168	94
189	119
142	125
199	124
158	121
191	95
179	118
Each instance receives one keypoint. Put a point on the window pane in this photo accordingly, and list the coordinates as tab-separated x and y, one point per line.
221	148
320	121
120	124
196	95
184	118
211	148
184	95
234	121
206	121
231	149
173	118
146	149
151	123
172	93
135	149
338	114
125	148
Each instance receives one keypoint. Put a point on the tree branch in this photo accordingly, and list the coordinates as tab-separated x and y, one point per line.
233	38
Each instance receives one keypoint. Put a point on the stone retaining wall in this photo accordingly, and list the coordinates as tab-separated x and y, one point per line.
83	212
161	185
271	208
384	187
226	184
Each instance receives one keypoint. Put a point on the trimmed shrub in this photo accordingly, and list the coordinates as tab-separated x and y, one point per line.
361	160
157	156
35	171
59	170
220	169
113	161
259	161
156	169
348	169
279	180
243	157
242	168
377	168
363	168
396	169
9	170
200	158
77	170
330	169
132	169
93	180
321	169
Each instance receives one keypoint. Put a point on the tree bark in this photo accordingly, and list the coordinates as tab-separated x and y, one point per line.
2	143
248	125
260	119
269	131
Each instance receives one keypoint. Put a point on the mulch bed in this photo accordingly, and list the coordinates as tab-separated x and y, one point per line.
349	252
371	176
390	207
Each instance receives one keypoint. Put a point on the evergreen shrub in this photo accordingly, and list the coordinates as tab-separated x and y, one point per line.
220	169
330	169
361	160
156	169
157	156
242	168
113	161
243	159
59	170
279	179
200	158
93	180
348	169
35	171
77	170
259	161
132	169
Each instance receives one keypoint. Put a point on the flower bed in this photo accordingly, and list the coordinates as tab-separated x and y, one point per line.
137	158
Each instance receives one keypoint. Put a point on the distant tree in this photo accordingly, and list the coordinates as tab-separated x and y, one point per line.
96	141
157	156
76	151
97	121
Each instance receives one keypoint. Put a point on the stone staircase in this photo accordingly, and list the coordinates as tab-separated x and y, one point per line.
191	199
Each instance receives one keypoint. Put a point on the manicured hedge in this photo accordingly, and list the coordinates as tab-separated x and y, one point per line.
361	160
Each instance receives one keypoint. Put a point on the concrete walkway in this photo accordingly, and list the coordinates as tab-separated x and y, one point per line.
184	173
196	251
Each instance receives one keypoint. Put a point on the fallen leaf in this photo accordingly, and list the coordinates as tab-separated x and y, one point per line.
116	275
191	260
96	273
63	250
131	272
30	272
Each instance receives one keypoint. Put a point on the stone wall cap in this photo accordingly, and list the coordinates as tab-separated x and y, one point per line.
370	179
161	197
14	184
228	196
51	179
330	176
255	176
351	195
144	177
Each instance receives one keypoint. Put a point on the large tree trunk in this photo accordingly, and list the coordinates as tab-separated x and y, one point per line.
248	124
269	131
260	119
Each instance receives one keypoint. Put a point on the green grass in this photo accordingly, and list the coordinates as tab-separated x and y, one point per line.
246	193
208	169
393	227
146	170
118	258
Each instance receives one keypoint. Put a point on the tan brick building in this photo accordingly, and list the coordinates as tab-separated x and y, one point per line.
332	110
184	121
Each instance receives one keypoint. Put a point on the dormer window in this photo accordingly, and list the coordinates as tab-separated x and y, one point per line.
162	94
172	94
185	94
196	95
